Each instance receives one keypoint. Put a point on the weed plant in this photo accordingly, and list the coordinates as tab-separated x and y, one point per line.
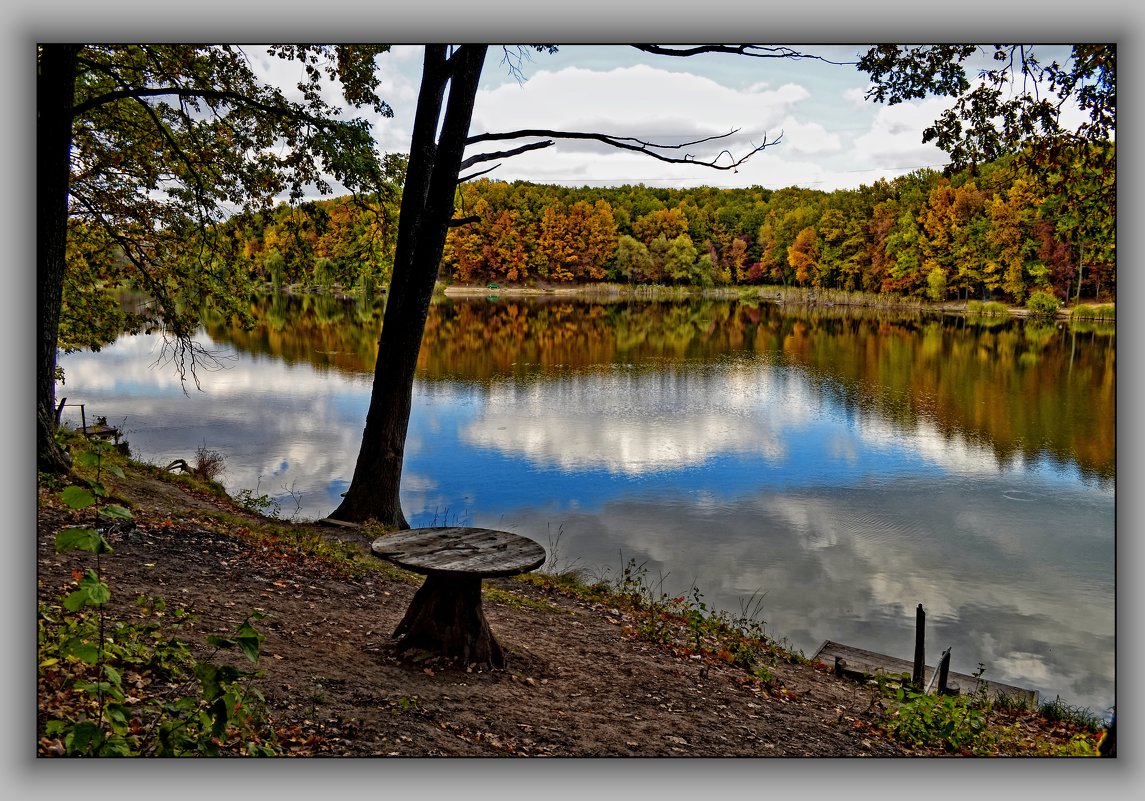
981	724
991	308
209	464
1089	313
129	687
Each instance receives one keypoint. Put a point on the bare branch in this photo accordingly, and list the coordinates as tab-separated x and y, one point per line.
190	357
463	178
754	51
638	145
503	154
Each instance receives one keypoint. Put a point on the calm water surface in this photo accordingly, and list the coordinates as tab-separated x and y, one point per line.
828	470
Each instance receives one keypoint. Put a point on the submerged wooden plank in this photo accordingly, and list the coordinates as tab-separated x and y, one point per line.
860	660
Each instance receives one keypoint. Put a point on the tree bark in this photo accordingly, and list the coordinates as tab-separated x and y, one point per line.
427	206
55	94
445	619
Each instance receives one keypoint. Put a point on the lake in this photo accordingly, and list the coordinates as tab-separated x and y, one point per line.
827	469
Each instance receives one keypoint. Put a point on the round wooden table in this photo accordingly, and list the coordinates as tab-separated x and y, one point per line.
445	617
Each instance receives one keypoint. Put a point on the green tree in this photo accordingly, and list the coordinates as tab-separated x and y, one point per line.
832	238
148	147
1012	265
680	260
936	284
1081	205
633	260
1016	108
904	251
671	223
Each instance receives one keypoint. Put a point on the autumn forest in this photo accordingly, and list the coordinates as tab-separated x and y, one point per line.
1002	232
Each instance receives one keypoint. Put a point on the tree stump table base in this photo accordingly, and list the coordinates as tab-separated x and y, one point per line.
445	618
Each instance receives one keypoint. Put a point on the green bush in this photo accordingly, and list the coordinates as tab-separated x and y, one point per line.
951	722
1042	304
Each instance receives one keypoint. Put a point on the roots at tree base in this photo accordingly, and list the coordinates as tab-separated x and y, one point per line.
445	618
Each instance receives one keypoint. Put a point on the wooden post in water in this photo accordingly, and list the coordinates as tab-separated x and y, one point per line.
944	673
919	647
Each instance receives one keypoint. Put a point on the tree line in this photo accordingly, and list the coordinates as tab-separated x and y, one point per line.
997	231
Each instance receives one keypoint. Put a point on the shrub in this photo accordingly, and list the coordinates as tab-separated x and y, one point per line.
1042	304
209	464
953	723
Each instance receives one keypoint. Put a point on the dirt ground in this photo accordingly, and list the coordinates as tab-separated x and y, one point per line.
577	683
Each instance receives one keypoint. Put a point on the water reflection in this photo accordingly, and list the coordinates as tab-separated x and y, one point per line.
1028	390
842	468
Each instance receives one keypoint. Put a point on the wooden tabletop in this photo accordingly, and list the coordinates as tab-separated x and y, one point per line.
483	552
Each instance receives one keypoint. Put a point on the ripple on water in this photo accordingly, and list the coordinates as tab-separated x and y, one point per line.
1020	495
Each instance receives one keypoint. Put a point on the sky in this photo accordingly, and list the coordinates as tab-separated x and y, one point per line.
829	135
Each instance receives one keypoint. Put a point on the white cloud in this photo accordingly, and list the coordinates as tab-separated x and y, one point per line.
809	137
895	138
669	423
643	102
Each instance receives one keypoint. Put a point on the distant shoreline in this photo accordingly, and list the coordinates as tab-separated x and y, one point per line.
781	295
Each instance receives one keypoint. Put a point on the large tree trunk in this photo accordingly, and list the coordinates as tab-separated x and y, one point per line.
427	206
55	92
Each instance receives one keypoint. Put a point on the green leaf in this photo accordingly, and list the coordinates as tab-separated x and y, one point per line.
91	592
88	459
77	497
83	650
118	715
220	715
97	688
84	738
116	746
208	677
249	641
116	471
81	539
115	511
75	601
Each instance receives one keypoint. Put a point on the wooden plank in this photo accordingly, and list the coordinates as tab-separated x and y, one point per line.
329	521
449	549
872	663
101	430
